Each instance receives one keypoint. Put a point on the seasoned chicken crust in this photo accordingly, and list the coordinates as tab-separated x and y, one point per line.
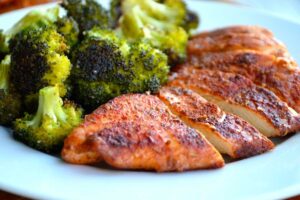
252	52
228	133
137	131
236	94
236	38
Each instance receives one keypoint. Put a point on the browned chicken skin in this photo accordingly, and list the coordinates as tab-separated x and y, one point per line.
228	133
137	131
239	95
252	52
236	38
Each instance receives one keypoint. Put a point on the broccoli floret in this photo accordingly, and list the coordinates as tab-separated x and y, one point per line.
3	45
68	27
34	20
171	11
159	23
106	66
115	11
53	121
191	21
39	60
87	13
10	101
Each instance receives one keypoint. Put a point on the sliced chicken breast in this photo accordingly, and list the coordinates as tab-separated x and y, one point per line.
253	52
228	133
275	74
236	38
238	95
137	131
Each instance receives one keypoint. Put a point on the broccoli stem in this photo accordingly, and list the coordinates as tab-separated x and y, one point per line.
50	105
4	73
146	19
158	9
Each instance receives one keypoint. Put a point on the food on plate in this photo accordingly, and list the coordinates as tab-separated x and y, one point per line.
228	133
105	66
137	131
239	95
10	100
3	45
68	28
240	39
53	121
37	60
33	20
88	14
160	24
120	59
253	53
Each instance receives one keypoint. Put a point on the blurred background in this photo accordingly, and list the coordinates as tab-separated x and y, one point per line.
289	9
8	5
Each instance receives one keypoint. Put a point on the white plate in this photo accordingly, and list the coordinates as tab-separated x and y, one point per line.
272	175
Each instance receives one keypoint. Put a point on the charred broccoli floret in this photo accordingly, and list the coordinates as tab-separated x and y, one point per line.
10	101
38	60
191	21
34	20
106	66
172	11
3	45
87	13
159	23
68	28
53	121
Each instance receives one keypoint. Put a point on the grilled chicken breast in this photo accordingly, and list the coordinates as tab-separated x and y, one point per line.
228	133
137	131
236	38
238	95
252	52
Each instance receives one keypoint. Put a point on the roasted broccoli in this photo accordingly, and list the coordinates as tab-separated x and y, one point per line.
68	28
87	13
3	45
53	121
33	20
38	60
105	66
191	21
10	101
159	23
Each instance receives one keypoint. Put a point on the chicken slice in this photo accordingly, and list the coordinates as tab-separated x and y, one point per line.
253	52
137	131
228	133
239	38
275	74
238	95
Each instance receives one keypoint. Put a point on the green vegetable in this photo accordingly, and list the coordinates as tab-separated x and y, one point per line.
10	101
3	45
53	121
106	66
163	24
38	59
88	14
34	20
68	28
